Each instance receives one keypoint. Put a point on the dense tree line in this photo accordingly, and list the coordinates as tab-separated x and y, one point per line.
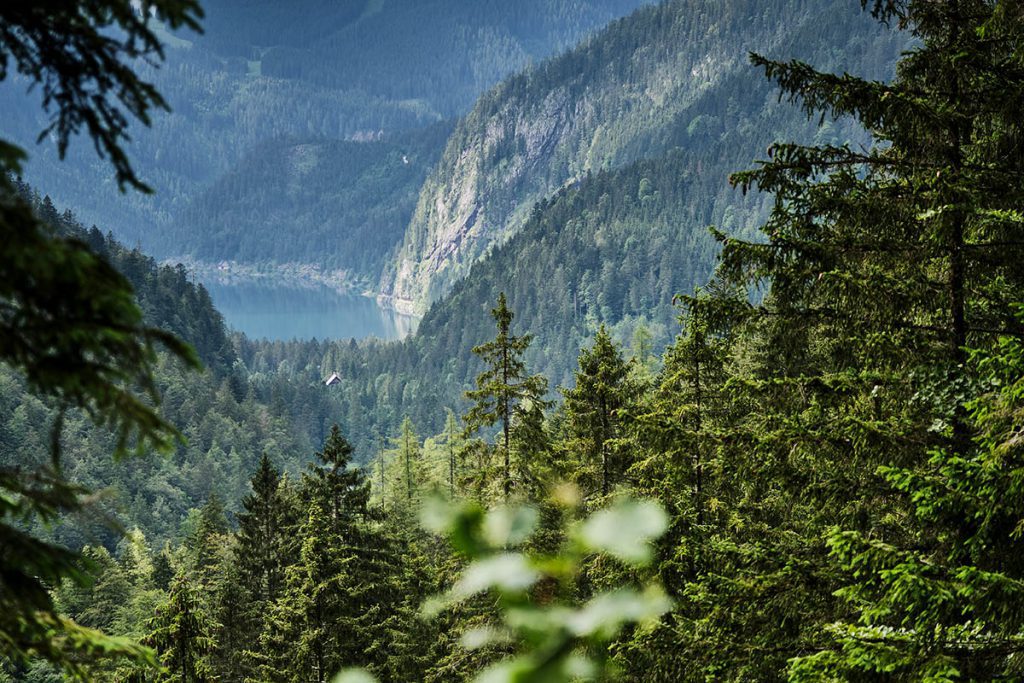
223	422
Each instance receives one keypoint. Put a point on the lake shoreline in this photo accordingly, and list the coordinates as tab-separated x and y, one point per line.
297	301
295	274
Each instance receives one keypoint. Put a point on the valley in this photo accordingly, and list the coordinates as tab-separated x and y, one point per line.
373	341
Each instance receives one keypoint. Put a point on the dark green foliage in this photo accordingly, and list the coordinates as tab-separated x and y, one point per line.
183	635
70	325
849	379
264	535
343	595
163	572
208	539
47	43
594	410
224	426
342	490
265	546
307	626
505	392
954	589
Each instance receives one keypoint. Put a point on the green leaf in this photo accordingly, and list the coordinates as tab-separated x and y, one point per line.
507	525
11	158
625	530
353	676
438	515
608	612
508	572
475	638
460	523
504	672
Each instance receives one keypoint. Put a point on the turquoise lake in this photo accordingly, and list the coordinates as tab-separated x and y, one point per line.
282	312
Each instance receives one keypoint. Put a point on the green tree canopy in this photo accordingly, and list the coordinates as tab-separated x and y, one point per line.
68	321
504	390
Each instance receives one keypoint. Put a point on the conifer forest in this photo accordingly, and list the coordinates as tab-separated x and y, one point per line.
702	353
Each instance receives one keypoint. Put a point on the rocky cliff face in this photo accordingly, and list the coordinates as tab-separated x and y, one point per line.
621	96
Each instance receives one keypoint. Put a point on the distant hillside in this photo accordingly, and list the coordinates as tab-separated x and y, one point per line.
342	205
441	52
264	72
167	295
671	76
226	426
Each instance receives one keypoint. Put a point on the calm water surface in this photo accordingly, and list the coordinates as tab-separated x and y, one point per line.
282	312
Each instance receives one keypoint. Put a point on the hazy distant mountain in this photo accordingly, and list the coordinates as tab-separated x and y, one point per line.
305	71
339	204
441	53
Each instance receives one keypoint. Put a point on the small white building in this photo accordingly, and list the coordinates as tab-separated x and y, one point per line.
335	378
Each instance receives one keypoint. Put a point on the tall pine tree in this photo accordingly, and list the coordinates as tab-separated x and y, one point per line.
504	390
594	408
263	535
183	636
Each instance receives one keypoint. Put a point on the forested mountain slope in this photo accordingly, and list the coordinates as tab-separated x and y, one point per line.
226	426
612	248
339	204
671	76
443	53
256	78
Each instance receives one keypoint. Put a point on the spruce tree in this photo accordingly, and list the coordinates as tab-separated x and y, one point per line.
332	609
183	636
255	575
343	492
877	270
339	595
531	449
163	570
210	537
504	389
236	624
305	623
679	435
452	447
409	454
262	535
604	389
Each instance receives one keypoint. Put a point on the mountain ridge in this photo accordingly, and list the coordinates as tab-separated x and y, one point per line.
614	99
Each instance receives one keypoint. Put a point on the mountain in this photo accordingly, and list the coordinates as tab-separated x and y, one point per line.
267	73
339	204
672	76
442	53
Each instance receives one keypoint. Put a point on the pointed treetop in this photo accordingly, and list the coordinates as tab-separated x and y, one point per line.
337	451
266	477
502	314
